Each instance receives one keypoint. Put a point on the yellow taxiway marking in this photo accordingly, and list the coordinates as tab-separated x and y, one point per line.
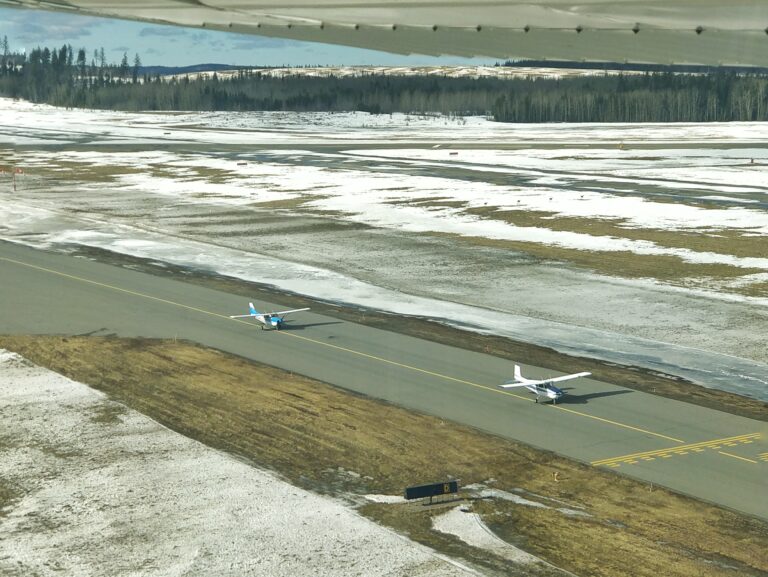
714	444
737	457
336	347
763	456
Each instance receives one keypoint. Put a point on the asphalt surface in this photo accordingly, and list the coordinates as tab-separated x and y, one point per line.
715	456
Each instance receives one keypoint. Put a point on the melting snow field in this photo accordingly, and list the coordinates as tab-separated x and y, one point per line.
406	214
125	496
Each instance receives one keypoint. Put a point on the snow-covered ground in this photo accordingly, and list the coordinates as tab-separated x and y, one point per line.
380	194
125	496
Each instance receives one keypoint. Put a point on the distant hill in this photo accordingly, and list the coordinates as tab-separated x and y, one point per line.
509	69
172	70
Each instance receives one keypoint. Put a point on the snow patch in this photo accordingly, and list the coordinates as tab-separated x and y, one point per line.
126	496
469	527
385	498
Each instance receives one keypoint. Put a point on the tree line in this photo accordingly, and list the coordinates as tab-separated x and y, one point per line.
648	97
61	76
69	78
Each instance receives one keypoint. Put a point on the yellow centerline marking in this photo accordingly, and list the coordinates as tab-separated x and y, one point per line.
403	366
485	387
737	457
337	347
681	450
610	422
119	289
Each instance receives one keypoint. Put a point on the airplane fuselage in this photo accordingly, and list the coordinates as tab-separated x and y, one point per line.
272	321
548	391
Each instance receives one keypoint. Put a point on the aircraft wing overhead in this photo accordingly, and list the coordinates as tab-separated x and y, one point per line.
710	32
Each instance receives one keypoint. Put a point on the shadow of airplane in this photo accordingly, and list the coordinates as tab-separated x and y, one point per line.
586	397
96	332
297	327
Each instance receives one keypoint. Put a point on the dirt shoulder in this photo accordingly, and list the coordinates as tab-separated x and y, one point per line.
590	522
630	377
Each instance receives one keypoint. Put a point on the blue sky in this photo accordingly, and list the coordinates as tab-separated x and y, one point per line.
174	46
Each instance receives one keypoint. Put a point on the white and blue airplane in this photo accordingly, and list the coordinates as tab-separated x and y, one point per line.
542	388
271	320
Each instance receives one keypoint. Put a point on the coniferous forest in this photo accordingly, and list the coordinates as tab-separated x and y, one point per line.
68	78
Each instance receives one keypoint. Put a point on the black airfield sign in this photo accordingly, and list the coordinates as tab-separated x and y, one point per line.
432	490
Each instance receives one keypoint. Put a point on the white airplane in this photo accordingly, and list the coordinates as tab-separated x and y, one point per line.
542	388
271	320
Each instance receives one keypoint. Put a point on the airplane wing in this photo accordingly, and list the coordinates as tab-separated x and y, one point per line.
529	382
654	31
283	313
243	316
514	384
559	379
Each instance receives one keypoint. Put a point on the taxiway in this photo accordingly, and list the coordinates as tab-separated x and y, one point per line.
715	456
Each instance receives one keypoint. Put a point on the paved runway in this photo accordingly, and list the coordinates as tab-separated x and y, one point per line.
705	453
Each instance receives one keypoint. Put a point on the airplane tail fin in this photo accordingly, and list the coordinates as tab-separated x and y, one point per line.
253	309
518	374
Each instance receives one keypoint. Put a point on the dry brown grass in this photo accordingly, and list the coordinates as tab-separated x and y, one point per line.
669	269
430	202
723	241
313	434
285	203
8	493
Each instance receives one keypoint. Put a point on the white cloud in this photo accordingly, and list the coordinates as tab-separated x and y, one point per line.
40	27
175	46
163	31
